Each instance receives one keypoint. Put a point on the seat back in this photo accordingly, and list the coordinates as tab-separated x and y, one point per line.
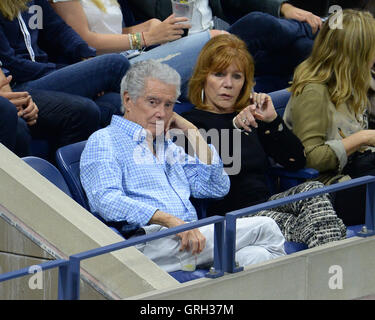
67	159
49	171
181	107
280	99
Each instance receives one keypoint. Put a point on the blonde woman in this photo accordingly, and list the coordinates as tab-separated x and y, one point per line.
32	33
328	105
101	24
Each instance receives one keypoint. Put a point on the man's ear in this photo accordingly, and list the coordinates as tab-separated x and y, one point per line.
127	102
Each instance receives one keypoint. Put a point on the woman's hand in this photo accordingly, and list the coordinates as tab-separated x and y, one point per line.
260	108
169	30
264	109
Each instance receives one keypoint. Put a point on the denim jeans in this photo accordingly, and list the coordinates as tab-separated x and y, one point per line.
181	55
86	79
63	118
277	46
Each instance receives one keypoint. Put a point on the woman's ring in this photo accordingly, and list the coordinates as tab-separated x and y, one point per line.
244	120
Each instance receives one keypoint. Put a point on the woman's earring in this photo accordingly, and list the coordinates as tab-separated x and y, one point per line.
202	95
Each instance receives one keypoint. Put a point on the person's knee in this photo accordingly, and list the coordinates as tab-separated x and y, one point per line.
270	225
258	19
118	61
84	117
252	255
90	114
7	110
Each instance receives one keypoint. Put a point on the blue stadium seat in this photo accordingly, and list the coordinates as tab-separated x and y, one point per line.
280	99
67	160
49	171
181	107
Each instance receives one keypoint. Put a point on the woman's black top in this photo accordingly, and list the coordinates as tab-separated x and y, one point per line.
249	186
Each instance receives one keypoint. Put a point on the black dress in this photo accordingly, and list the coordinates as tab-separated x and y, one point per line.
249	186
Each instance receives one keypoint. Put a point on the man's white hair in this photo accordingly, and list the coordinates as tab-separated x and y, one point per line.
135	79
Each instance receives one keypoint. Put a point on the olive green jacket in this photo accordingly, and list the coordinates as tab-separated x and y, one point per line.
161	9
321	127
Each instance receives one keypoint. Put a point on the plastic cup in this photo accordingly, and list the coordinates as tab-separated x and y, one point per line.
183	8
188	261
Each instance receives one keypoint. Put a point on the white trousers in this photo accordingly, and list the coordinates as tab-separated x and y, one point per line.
257	239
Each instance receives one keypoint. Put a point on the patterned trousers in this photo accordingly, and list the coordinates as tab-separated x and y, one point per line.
312	221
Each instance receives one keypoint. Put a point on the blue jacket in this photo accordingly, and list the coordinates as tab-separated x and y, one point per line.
55	37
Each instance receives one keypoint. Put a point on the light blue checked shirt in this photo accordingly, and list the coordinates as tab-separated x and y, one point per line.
123	180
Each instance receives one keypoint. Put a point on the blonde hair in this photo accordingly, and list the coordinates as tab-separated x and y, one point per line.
217	55
10	8
341	59
101	6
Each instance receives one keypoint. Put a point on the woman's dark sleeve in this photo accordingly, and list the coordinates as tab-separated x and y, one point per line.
281	144
21	69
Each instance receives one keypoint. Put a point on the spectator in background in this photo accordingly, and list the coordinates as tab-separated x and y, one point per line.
277	45
327	110
250	131
100	24
58	117
21	53
134	147
228	10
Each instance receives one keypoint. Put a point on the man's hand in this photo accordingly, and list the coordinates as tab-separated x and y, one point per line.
23	102
178	122
30	112
291	12
201	149
191	240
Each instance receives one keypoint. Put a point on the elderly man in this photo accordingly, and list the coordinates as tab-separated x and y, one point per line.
131	171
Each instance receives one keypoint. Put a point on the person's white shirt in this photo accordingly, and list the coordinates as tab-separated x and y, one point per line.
111	21
202	17
99	21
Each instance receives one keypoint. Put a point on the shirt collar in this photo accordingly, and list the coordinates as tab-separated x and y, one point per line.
135	131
